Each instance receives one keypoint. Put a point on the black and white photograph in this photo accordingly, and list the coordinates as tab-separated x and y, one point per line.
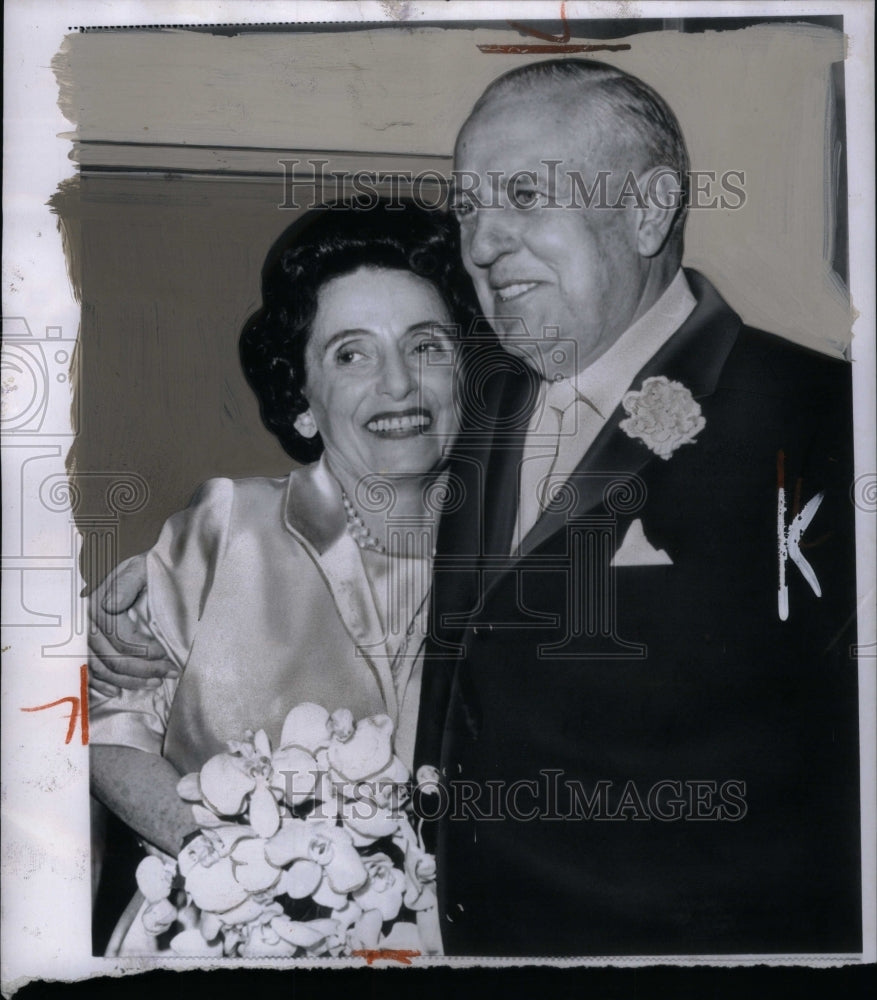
439	487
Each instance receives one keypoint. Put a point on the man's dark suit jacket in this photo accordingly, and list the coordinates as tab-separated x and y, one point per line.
689	760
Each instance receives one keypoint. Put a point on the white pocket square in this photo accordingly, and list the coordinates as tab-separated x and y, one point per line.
636	549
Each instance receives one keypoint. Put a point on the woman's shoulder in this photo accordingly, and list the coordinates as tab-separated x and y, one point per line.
221	501
305	501
258	485
222	489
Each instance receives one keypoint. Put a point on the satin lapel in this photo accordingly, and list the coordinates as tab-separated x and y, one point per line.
694	356
314	514
341	565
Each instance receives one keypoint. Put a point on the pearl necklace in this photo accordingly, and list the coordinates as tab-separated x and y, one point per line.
358	530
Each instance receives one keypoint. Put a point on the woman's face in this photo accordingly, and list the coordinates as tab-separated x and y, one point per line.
379	373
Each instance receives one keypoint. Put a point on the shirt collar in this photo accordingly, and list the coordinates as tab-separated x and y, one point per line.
602	383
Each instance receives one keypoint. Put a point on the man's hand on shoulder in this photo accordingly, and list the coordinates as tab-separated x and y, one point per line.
124	652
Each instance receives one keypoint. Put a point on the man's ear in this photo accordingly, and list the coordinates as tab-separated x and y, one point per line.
662	193
305	424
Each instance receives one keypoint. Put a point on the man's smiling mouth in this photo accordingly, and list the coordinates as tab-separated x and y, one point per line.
506	293
398	425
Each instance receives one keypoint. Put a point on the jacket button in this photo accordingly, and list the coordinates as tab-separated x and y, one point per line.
457	914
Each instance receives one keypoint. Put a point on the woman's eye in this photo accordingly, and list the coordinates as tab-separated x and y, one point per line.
347	355
433	346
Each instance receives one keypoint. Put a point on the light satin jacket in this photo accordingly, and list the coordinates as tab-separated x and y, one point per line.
260	596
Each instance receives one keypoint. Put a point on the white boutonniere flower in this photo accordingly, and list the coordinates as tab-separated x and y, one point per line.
663	415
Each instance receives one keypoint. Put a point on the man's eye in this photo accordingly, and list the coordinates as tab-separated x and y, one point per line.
527	197
462	207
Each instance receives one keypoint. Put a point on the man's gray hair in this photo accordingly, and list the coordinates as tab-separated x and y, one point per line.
622	105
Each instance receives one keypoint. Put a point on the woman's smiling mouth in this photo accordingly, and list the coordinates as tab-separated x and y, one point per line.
398	425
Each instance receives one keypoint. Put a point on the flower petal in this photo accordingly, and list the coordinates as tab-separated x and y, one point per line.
394	774
301	879
252	869
215	888
304	934
189	787
264	814
424	868
289	843
226	836
367	752
305	727
347	915
244	913
403	936
190	943
191	855
154	879
210	926
325	925
384	896
345	871
419	897
206	817
225	784
295	774
158	917
260	947
325	895
342	724
366	932
371	825
262	744
427	779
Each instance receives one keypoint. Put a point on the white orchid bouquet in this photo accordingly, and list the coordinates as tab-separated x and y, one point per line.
303	851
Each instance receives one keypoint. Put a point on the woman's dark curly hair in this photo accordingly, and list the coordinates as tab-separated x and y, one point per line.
326	243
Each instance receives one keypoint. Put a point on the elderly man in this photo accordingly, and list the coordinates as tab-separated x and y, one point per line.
643	709
639	694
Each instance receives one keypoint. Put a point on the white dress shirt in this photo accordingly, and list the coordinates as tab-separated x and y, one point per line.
571	411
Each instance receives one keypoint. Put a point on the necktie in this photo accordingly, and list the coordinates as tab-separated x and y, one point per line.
541	452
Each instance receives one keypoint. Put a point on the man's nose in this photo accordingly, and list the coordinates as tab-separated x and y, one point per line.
494	231
398	377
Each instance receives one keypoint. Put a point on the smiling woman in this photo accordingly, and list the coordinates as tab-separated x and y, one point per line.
378	380
266	593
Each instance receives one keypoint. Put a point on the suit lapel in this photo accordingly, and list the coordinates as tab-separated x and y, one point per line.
503	464
694	356
485	463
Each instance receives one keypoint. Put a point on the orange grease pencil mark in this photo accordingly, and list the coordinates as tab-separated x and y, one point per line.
401	955
78	709
564	37
557	43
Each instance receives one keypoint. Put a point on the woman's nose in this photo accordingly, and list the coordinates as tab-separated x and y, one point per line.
398	379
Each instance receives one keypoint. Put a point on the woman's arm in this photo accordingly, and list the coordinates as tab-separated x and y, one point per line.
141	789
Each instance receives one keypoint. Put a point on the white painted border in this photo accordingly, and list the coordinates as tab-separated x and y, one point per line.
45	931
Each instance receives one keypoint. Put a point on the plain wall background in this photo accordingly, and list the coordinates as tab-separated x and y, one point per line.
166	262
